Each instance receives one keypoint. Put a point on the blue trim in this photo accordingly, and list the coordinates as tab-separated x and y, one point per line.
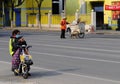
98	9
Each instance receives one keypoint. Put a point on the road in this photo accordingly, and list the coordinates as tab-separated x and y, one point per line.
92	60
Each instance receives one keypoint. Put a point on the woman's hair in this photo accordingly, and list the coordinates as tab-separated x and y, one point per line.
15	32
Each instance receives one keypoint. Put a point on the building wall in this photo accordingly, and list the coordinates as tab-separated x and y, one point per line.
72	6
108	14
89	7
46	7
31	7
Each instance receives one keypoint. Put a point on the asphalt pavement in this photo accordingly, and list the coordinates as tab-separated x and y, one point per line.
94	59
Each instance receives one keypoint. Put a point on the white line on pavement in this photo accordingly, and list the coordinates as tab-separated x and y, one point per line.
78	75
70	47
73	57
83	48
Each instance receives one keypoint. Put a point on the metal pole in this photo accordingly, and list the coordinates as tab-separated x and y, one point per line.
77	14
49	19
3	13
65	7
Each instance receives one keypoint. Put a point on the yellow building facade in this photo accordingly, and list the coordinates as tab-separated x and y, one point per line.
26	14
104	15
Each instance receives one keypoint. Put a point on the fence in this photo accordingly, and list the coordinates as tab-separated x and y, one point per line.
55	19
50	20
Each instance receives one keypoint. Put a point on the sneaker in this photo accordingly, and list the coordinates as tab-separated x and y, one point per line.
16	70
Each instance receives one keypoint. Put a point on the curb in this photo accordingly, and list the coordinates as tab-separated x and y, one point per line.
57	29
33	29
107	32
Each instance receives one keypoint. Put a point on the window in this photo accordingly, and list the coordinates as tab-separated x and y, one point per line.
57	6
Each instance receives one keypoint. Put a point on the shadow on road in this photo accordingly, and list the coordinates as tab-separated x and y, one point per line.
39	74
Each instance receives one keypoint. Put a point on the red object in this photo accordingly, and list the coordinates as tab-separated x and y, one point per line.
63	24
112	7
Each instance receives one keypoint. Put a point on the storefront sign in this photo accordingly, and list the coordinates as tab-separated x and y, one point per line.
115	8
112	7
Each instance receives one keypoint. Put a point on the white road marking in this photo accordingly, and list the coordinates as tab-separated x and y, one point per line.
70	47
83	48
78	75
73	57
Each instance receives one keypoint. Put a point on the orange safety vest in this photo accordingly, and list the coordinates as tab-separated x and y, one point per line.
63	24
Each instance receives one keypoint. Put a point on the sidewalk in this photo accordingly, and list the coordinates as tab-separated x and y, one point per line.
33	28
111	32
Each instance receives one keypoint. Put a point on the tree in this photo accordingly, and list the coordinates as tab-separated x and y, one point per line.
39	3
12	5
3	6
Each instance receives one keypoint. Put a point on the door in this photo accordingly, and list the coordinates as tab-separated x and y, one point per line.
7	18
55	6
17	17
99	19
98	7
